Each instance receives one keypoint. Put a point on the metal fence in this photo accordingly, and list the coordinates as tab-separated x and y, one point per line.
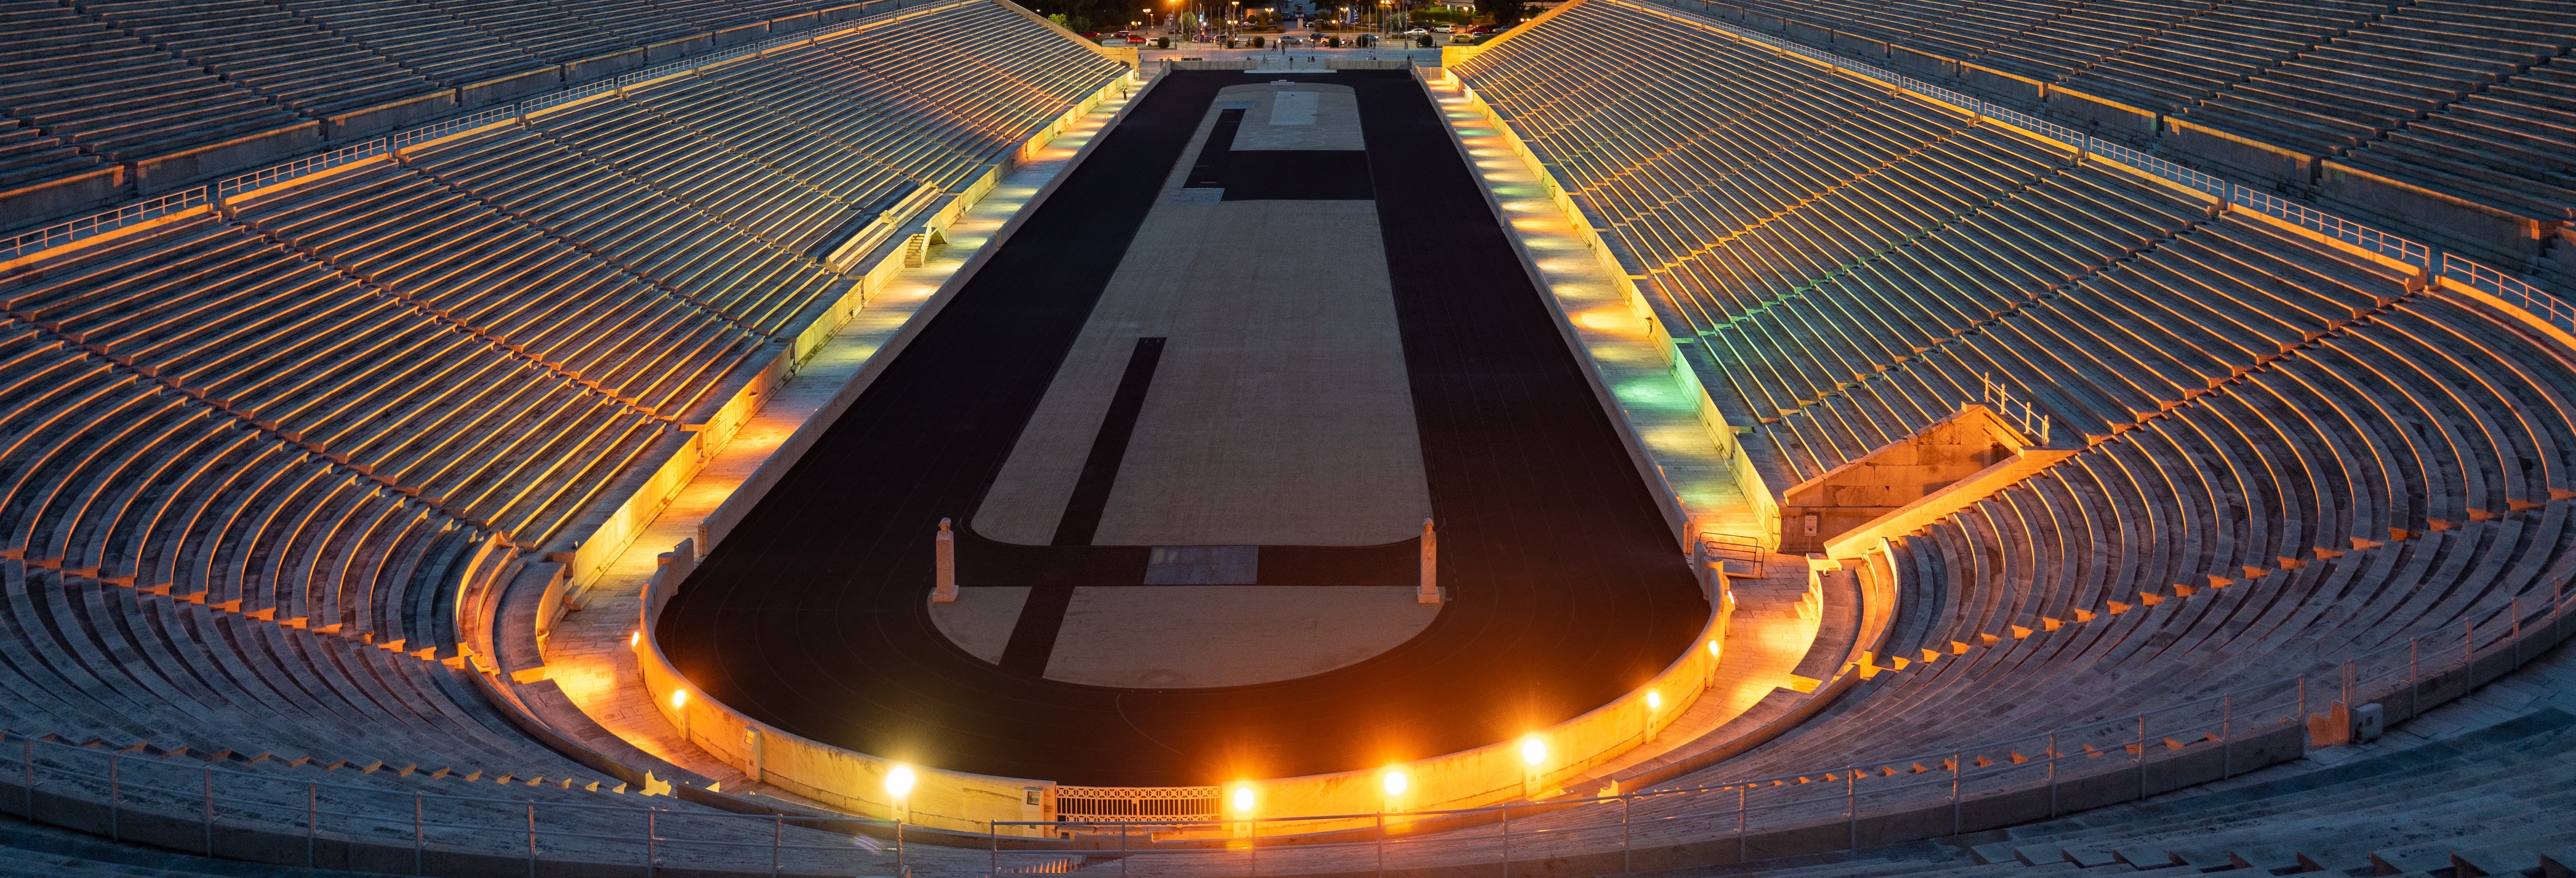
2511	289
539	829
1169	803
121	788
299	167
2020	412
2338	228
60	234
1615	828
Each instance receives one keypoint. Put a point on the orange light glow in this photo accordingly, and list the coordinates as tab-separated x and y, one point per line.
1533	750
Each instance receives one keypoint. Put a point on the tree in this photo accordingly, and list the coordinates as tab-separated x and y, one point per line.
1505	13
1085	15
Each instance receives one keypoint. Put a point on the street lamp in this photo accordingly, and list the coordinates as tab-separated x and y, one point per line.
898	783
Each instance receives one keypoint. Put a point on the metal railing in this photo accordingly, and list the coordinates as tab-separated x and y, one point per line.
1611	829
66	232
1168	803
2332	226
1712	545
129	785
2153	166
2020	412
467	122
2511	289
299	167
179	787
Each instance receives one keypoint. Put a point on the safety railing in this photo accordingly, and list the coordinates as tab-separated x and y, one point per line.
2511	289
2021	413
64	233
70	784
1605	832
2188	178
299	167
1714	546
135	795
1168	803
2338	228
468	122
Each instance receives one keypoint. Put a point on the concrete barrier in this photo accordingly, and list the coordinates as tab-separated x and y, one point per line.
2261	161
383	117
675	49
603	66
154	175
502	89
1869	48
2012	86
88	190
1921	63
2480	230
2111	115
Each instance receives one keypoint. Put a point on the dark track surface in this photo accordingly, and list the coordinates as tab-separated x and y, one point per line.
1568	589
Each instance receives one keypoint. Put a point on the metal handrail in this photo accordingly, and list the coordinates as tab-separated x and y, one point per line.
2022	413
2393	246
2178	726
62	233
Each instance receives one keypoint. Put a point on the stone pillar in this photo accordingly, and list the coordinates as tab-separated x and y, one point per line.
946	591
1430	592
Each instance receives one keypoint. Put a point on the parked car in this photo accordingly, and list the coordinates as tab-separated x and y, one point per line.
1417	32
1135	41
1446	28
1485	29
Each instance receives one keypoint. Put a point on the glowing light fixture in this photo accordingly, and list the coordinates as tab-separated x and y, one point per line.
1654	700
1533	750
635	637
1243	800
679	697
1712	649
1394	783
899	781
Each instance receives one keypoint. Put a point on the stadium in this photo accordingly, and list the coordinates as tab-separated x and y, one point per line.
911	437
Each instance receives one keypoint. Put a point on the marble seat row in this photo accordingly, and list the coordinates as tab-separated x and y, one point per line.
248	452
2285	455
2455	101
113	95
217	312
538	296
637	227
2371	80
235	82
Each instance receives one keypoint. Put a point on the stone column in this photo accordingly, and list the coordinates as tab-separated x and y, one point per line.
1430	592
946	590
